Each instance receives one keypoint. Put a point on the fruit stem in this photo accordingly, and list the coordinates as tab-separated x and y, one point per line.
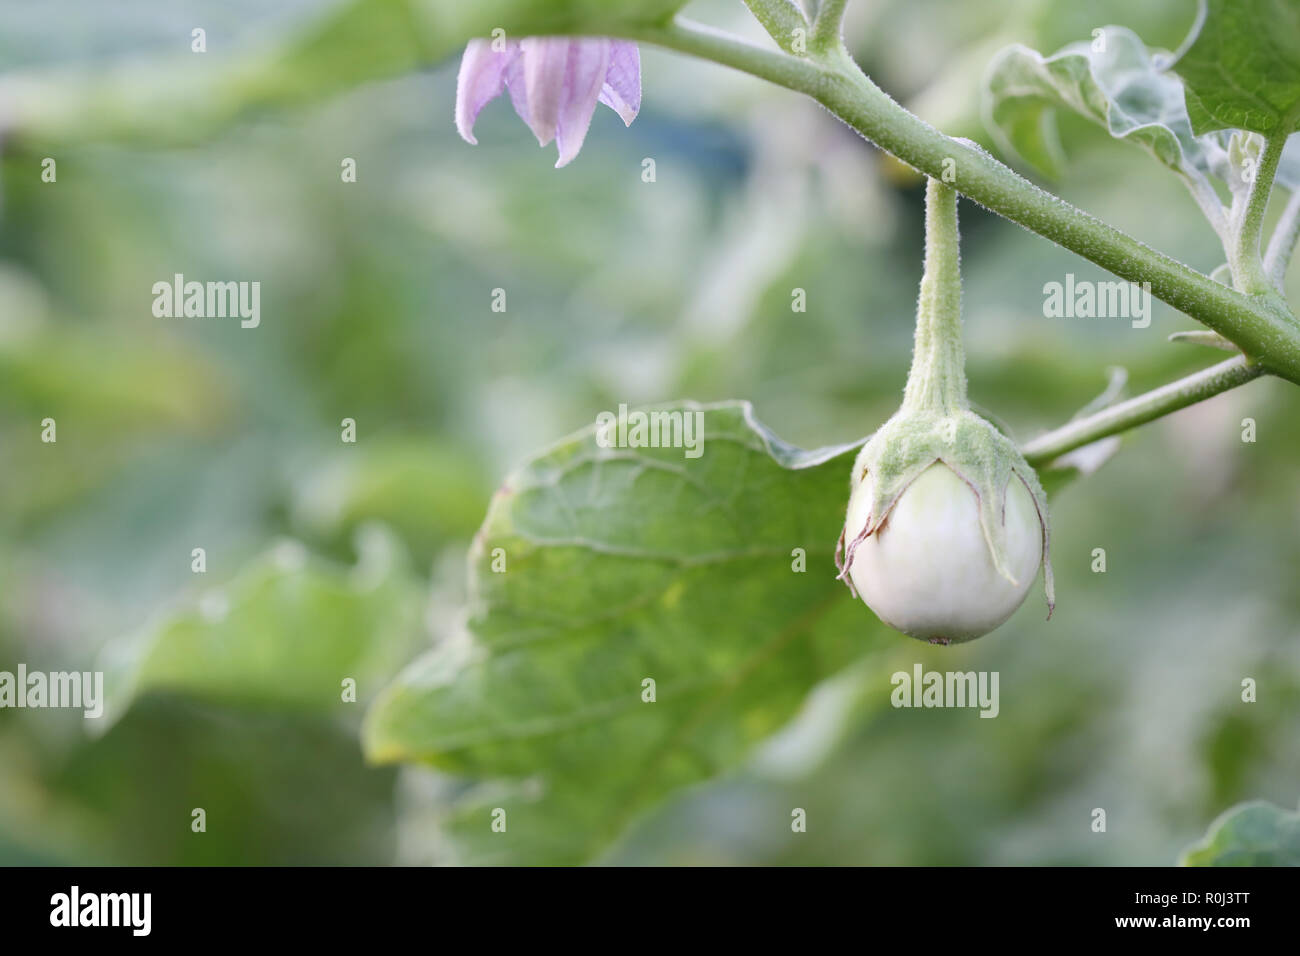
937	381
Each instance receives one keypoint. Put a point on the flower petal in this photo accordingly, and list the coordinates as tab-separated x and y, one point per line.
588	63
622	89
545	65
481	79
518	89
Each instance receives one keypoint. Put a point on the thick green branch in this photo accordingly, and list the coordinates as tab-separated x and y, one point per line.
1261	326
1141	409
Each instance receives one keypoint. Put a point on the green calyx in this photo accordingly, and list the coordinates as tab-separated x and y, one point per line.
935	422
912	441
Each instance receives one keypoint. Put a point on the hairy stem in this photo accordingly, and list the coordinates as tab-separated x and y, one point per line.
1261	326
829	23
937	381
1248	271
1139	410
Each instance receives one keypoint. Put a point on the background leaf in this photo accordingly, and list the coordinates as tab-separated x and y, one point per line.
278	787
1120	87
425	491
284	633
357	42
1242	71
622	565
1253	834
1080	463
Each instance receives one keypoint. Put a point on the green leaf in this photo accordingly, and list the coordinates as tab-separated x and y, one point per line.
1119	87
622	565
1242	70
283	633
1250	834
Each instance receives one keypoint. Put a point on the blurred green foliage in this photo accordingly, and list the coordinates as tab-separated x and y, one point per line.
1254	834
175	434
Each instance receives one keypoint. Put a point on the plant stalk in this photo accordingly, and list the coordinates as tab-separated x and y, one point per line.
829	24
1248	271
937	381
1141	409
1261	326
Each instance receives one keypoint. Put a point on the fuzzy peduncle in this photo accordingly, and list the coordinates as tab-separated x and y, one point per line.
937	381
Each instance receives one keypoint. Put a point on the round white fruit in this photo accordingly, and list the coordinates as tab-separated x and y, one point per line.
927	570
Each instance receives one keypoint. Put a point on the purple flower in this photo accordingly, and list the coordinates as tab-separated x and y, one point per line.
554	84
